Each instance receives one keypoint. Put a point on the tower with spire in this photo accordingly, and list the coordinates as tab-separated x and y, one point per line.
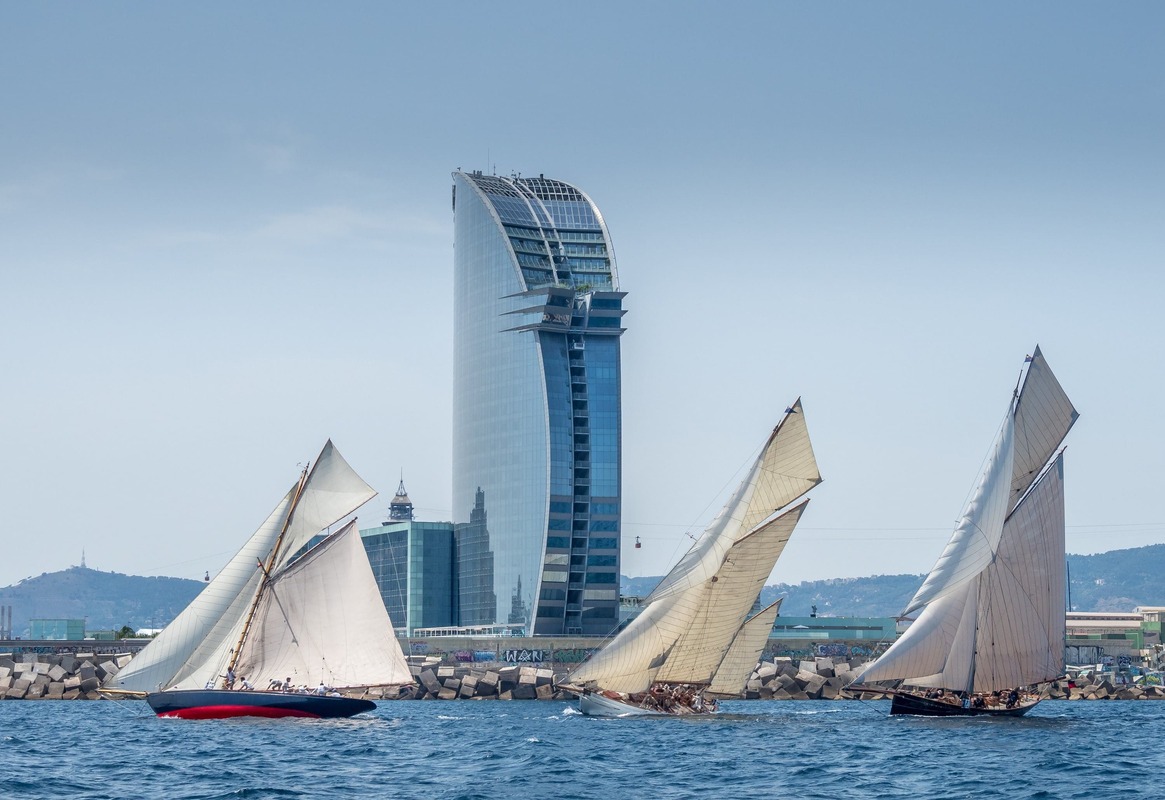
401	508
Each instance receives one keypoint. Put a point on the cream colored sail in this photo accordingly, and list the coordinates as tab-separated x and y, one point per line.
1024	644
1005	628
992	609
727	599
1042	420
973	543
785	470
745	653
322	620
644	651
196	647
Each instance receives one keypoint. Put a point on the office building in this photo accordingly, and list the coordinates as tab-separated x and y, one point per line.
413	563
536	406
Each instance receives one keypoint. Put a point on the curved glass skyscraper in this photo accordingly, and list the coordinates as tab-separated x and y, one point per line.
536	406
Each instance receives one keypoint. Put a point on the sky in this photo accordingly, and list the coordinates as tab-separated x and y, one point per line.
226	236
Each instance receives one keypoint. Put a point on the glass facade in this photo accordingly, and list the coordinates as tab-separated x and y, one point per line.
413	563
536	406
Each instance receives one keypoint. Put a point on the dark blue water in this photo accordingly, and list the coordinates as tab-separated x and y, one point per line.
494	749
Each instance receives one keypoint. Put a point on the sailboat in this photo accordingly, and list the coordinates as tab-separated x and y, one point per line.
990	615
290	621
694	639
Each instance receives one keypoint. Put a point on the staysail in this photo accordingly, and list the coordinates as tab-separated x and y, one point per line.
196	647
745	652
992	612
690	620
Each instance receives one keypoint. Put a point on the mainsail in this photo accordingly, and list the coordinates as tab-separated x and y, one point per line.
198	645
691	619
992	612
315	635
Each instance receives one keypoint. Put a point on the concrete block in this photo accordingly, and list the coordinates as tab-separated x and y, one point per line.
56	673
447	694
525	691
544	691
430	681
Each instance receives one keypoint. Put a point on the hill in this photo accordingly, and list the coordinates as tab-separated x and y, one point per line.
1119	580
105	600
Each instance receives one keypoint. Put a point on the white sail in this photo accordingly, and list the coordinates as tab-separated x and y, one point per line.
745	652
321	620
972	545
196	647
1005	628
1043	417
332	492
992	609
1025	644
727	598
687	625
203	633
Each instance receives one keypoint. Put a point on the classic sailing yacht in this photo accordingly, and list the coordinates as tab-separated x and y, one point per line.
282	611
693	636
991	612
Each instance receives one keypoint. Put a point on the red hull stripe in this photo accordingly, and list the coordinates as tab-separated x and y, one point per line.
223	712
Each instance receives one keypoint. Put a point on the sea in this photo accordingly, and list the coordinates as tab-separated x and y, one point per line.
545	749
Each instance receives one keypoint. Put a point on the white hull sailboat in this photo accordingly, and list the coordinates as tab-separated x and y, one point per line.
284	628
694	640
990	615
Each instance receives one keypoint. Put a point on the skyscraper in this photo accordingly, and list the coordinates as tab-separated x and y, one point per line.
536	406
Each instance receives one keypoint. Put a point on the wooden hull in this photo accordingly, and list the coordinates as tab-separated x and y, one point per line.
222	704
917	705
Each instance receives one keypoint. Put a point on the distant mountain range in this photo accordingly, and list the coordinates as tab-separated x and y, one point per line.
105	600
1119	580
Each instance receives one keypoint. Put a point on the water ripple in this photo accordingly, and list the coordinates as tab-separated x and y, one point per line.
466	751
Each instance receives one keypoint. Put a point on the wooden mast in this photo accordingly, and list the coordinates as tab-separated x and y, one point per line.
266	573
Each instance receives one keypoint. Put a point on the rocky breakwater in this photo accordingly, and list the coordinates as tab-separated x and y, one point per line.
60	676
440	681
808	679
1099	688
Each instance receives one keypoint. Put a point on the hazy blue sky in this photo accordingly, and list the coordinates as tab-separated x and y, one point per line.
226	235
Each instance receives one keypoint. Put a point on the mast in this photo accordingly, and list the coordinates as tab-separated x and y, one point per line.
267	572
